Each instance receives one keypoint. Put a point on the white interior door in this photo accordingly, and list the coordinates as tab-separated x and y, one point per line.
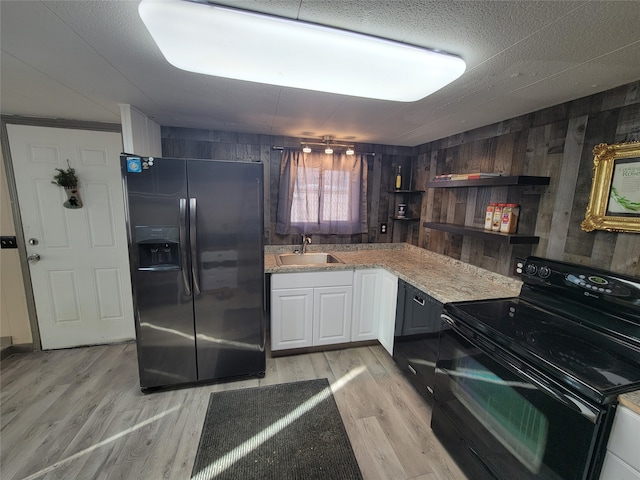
81	283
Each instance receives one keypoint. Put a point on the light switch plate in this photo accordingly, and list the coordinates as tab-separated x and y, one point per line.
8	242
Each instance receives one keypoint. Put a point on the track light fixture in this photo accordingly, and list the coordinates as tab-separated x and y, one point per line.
329	145
327	139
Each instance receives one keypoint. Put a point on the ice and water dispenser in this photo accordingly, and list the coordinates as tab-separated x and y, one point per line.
158	248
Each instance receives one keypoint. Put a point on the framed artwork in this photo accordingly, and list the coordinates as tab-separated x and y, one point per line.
614	203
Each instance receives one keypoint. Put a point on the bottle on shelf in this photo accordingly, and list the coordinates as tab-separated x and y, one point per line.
497	217
510	214
488	218
399	178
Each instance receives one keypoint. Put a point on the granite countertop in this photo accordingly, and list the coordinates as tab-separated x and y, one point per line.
631	401
443	278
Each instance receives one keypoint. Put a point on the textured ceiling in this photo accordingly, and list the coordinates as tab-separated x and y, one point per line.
80	59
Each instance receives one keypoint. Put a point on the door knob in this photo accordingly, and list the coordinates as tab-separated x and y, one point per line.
33	258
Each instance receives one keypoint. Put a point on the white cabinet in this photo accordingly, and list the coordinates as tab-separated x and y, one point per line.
388	297
374	309
615	468
293	309
310	308
622	461
332	315
328	308
366	316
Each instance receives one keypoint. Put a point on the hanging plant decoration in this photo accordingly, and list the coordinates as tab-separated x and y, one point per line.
69	181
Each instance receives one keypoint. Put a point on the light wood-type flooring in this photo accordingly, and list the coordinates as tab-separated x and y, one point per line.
79	414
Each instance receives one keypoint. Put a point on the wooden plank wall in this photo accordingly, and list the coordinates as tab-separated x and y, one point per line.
556	142
235	146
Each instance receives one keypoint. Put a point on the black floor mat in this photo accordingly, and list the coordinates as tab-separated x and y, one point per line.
285	431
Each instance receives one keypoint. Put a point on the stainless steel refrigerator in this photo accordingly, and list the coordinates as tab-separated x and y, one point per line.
196	251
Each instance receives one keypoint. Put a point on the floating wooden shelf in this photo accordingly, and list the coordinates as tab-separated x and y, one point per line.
508	238
409	192
522	180
405	219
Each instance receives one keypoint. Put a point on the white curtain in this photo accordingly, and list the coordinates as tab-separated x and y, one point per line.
322	193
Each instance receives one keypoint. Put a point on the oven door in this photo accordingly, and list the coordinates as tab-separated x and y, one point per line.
501	419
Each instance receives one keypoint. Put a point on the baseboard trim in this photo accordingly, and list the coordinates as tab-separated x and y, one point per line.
322	348
14	349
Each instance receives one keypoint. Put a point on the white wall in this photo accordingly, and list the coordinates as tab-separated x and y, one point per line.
14	317
140	134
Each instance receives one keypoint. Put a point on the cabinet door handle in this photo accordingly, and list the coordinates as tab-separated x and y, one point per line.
419	301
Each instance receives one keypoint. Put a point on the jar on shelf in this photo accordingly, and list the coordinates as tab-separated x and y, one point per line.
510	214
497	217
488	218
402	210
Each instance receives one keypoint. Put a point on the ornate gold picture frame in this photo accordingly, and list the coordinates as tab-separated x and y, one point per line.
614	203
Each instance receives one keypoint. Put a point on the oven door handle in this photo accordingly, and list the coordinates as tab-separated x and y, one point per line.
589	412
447	319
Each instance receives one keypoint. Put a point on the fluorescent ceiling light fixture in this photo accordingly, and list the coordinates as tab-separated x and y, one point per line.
242	45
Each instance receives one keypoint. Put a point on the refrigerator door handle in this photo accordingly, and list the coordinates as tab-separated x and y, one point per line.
183	245
194	252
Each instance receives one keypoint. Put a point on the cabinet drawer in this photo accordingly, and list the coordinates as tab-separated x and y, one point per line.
421	313
311	279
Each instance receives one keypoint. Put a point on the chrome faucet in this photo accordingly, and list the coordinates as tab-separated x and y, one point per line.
305	241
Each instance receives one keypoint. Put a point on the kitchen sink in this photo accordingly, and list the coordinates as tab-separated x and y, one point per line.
306	259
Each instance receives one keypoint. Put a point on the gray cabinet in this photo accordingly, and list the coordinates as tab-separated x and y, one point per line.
417	330
421	312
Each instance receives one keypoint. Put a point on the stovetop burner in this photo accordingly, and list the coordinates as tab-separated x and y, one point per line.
570	351
581	358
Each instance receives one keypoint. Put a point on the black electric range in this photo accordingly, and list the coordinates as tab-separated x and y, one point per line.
577	323
560	353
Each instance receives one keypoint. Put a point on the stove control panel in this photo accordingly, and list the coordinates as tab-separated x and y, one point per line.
596	283
592	283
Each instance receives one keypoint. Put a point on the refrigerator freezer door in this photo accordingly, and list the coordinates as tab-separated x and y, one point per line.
160	272
226	215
